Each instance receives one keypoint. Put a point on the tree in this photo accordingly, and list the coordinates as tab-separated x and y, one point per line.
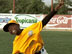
64	10
31	7
5	6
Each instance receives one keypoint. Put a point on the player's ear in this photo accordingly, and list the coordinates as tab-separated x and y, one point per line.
18	25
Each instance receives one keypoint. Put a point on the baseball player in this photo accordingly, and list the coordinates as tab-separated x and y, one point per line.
28	40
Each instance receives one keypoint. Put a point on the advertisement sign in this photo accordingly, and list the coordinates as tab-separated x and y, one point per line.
26	20
60	21
4	18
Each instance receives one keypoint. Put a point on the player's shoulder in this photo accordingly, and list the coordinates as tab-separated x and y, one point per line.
33	26
36	24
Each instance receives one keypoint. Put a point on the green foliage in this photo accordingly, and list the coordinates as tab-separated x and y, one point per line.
64	10
24	6
5	6
30	7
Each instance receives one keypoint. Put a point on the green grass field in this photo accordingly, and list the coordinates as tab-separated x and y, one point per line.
56	42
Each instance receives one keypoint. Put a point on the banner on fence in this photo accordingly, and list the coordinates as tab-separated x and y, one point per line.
25	20
60	21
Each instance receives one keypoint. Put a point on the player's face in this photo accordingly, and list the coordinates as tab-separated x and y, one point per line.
14	29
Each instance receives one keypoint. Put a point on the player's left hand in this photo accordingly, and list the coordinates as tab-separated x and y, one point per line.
61	3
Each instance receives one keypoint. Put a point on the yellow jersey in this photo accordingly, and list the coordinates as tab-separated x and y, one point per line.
26	44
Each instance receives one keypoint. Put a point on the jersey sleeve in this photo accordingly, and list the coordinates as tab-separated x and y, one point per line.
36	27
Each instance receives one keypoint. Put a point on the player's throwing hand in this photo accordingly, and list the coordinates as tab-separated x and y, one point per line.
61	3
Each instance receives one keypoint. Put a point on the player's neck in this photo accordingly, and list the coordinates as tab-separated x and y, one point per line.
20	31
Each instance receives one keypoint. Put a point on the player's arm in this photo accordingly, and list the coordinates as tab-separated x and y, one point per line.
49	16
